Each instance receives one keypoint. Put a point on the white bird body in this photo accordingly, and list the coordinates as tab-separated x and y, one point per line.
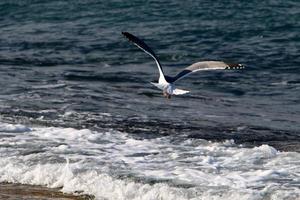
166	83
169	88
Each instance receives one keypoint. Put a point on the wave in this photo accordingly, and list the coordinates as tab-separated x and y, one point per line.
113	165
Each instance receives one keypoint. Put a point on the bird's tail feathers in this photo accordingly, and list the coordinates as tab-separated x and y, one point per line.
179	91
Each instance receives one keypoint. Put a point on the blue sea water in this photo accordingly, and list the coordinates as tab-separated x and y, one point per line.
75	91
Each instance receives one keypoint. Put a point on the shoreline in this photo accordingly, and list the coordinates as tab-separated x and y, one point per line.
35	192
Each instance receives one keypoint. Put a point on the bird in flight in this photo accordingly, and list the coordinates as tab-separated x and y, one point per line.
167	83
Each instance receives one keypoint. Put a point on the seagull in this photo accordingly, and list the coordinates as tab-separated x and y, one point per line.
167	83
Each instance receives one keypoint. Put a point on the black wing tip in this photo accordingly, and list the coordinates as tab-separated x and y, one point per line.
127	35
130	37
235	66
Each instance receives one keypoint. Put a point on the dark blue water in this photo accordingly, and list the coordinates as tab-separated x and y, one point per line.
65	63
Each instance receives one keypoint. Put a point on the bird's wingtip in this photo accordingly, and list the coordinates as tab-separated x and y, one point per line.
235	66
126	34
129	36
241	65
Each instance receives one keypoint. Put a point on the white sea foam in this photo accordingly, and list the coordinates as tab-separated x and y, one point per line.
18	128
49	86
113	165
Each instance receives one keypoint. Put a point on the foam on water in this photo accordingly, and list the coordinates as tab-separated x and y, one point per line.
18	128
113	165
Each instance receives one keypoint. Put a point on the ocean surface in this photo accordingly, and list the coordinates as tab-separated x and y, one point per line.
77	110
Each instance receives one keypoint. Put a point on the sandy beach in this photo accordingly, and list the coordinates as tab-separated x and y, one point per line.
9	191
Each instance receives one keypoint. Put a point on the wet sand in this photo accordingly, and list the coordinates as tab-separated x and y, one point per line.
9	191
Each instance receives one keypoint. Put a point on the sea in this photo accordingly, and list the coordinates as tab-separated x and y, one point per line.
78	112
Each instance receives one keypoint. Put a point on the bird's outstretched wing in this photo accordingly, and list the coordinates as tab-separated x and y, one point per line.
142	45
203	66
